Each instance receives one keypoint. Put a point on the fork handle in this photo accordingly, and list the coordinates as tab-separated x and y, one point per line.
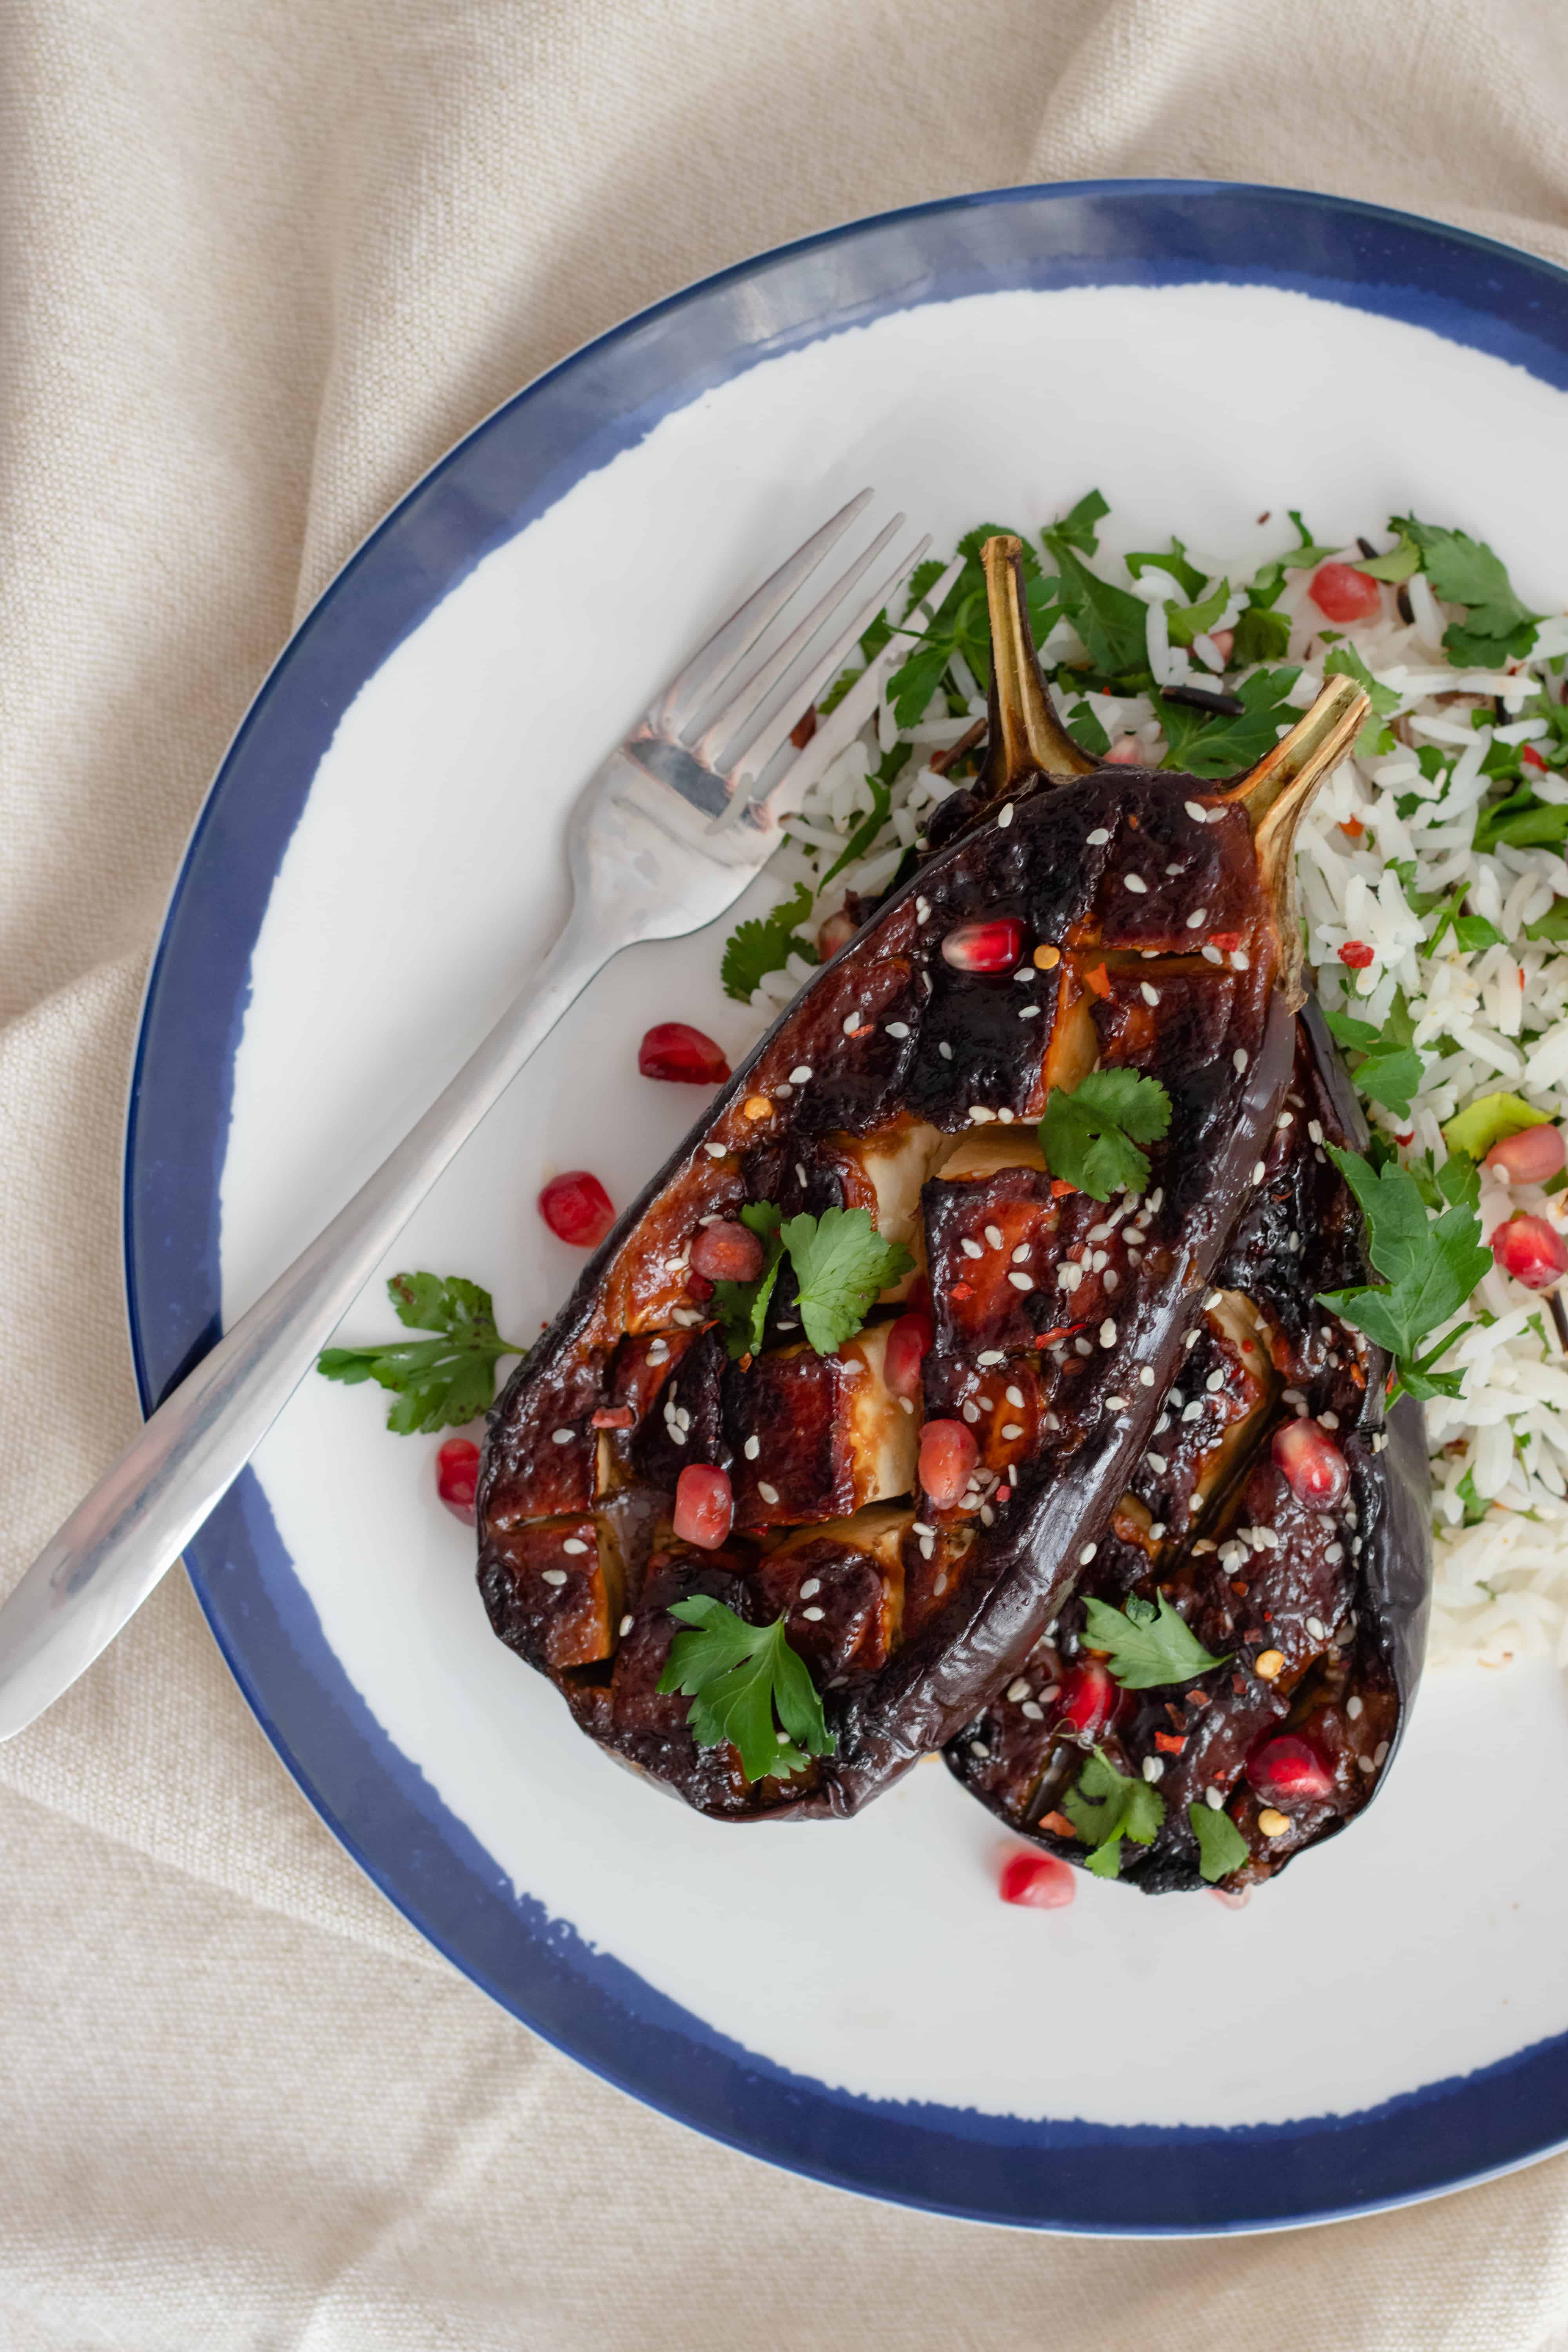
98	1569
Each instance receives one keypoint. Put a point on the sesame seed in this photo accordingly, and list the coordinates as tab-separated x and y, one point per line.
971	1249
1213	1798
991	1356
1211	954
1025	976
1005	1117
812	1616
1003	816
1153	1768
715	1151
800	1073
811	1588
897	1028
1239	1059
769	1494
1098	838
562	1436
1107	1333
1146	1376
1314	1130
1086	1554
574	1544
800	1174
1316	1628
1334	1554
1199	815
1158	1463
1083	1347
1028	1012
752	1448
1258	1173
1116	1405
978	1747
1239	960
556	1576
1380	1753
1010	1429
1365	1764
1021	1281
922	908
1149	995
1100	1232
1215	1381
1035	1713
1329	1420
1353	1708
628	1622
994	1235
944	1049
851	1023
1192	1413
1015	1397
1135	883
659	1354
979	1114
1021	1255
783	1090
970	1410
1197	919
1191	1338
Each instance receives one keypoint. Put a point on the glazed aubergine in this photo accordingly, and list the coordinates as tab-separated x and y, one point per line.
917	1502
1284	1519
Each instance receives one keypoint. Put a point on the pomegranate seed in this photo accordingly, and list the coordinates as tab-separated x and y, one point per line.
1356	954
1087	1699
1530	758
1311	1464
1529	1157
835	933
804	727
1342	593
1226	941
704	1506
1285	1771
698	1287
458	1475
994	946
612	1416
1040	1882
908	1341
948	1455
673	1049
1127	751
1530	1250
577	1209
1224	642
726	1253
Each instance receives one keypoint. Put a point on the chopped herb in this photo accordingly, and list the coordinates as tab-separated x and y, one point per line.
962	626
1187	576
1147	1643
1471	932
1091	1135
1220	1846
1260	635
1269	579
1085	729
1522	821
1456	1183
1105	1806
1403	558
738	1677
1486	1121
1077	527
1464	571
766	943
1112	621
1552	925
1392	1070
1185	622
1375	739
841	1263
1431	1266
741	1308
439	1383
1475	1508
1209	747
876	817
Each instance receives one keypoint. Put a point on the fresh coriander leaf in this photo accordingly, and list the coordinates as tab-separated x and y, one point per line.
1464	571
1112	621
1552	925
1269	579
1403	558
1187	576
1346	662
1522	821
1471	932
1220	1846
1105	1806
1458	1182
766	943
738	1677
1085	729
1360	1036
1260	635
1210	744
1475	1508
1308	556
439	1383
1392	1079
1486	1121
1077	527
1184	623
911	685
872	824
961	625
1144	1651
741	1308
1091	1135
840	1263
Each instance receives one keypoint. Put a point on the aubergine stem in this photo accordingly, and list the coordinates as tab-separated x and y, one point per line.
1027	738
1274	796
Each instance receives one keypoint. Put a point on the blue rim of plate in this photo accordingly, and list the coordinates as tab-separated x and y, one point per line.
1059	2174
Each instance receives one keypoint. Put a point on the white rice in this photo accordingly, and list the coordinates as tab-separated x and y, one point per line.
1494	1017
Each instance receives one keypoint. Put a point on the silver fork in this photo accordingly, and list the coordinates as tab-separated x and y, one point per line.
661	841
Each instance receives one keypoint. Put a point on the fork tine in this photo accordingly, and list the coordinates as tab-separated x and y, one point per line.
813	669
686	691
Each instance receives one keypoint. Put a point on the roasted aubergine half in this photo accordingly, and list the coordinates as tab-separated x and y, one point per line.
838	1417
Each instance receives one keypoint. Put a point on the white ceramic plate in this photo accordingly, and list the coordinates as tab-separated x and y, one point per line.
379	864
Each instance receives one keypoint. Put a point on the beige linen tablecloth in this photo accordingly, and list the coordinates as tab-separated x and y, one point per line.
263	260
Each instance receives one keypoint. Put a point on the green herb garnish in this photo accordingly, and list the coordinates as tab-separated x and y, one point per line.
841	1263
1104	1806
766	943
1392	1070
1375	739
1211	743
1148	1644
1464	571
738	1677
741	1308
1220	1846
1260	635
1090	1137
1431	1265
439	1383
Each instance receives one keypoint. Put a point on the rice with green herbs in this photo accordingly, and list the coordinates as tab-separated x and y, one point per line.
1433	887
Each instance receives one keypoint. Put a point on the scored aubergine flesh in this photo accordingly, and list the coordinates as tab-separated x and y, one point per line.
1153	932
1318	1613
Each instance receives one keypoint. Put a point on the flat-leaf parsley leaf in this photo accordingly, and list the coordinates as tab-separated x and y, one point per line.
1105	1806
1091	1135
766	943
439	1383
1430	1265
840	1263
1220	1846
738	1677
1464	571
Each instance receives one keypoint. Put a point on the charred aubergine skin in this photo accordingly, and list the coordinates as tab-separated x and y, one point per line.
906	1082
1319	1614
